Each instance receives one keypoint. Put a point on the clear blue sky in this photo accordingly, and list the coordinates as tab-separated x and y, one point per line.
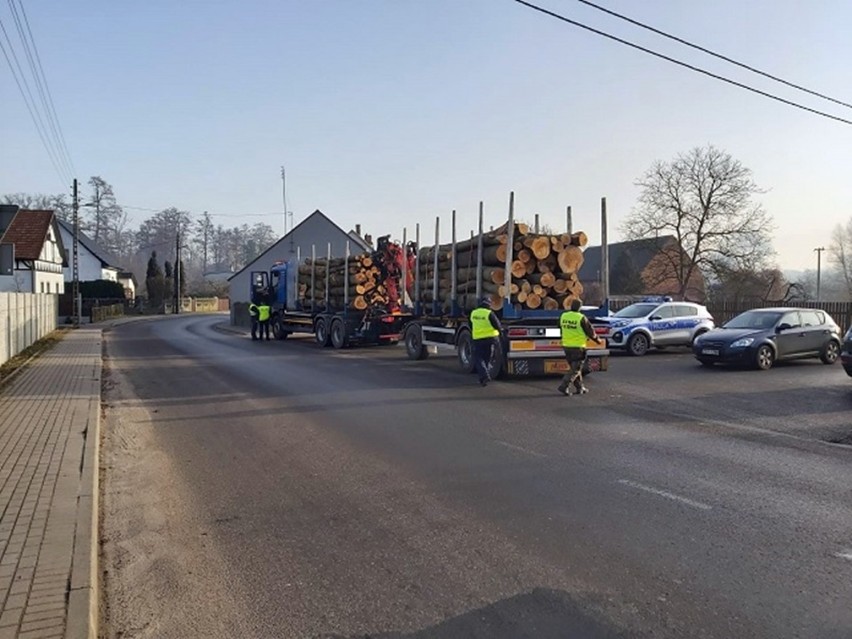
391	112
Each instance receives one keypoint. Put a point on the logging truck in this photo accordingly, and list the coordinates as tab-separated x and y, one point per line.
341	301
530	278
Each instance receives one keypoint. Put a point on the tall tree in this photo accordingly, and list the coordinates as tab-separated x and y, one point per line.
840	254
705	199
154	282
626	279
104	213
57	202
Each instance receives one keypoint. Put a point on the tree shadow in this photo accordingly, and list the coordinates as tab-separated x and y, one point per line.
542	613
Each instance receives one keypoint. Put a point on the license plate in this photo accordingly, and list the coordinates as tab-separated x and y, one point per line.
556	366
709	351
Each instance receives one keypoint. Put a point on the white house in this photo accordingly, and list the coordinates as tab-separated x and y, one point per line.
32	254
93	262
316	232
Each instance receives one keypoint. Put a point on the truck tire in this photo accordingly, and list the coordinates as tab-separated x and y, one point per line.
414	343
464	350
278	330
321	332
338	333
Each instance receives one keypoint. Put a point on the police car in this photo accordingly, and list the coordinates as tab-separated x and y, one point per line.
653	322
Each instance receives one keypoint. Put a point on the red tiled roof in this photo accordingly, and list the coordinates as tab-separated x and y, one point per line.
28	232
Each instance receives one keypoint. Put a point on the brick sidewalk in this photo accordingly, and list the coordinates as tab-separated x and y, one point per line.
45	415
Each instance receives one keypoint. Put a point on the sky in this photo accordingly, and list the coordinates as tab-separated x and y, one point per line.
390	113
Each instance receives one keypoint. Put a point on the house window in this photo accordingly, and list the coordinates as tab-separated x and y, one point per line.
42	288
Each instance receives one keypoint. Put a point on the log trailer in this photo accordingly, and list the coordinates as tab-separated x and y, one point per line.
335	307
530	344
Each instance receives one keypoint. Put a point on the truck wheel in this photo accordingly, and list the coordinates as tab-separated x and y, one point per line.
496	367
338	333
278	330
464	350
321	332
414	343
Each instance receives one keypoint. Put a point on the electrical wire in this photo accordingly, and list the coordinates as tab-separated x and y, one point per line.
229	215
713	53
47	88
34	114
553	14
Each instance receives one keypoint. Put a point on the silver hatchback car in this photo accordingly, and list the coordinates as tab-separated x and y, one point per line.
654	323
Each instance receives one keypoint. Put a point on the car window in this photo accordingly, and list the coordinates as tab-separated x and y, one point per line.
810	318
791	318
664	312
684	310
635	310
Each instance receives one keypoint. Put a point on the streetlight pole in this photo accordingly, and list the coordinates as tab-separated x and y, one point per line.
819	270
75	266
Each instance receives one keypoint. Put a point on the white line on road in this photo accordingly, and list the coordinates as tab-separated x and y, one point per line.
665	493
846	554
520	448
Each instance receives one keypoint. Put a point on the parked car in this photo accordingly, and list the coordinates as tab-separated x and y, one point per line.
846	353
653	322
763	336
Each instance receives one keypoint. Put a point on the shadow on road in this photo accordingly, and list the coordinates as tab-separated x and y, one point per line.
540	614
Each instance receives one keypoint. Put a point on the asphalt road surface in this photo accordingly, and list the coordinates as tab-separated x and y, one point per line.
276	489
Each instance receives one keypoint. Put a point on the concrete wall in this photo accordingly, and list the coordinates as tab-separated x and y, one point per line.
24	319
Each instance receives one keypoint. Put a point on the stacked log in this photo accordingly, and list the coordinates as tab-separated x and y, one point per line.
544	270
367	285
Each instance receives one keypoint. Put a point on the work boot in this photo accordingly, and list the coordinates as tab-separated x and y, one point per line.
582	390
563	389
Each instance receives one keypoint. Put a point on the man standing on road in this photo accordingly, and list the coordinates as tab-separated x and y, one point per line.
253	313
263	312
485	329
575	329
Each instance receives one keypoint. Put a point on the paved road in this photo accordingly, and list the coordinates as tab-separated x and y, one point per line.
276	490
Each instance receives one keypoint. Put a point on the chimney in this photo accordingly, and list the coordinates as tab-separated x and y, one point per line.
358	230
368	239
7	214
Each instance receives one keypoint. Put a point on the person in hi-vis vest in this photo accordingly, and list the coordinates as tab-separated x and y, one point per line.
485	328
263	313
253	312
575	329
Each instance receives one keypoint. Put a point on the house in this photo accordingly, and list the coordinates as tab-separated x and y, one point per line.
93	262
316	233
640	267
32	253
128	281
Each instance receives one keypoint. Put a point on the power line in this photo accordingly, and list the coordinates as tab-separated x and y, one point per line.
36	118
39	87
230	215
713	53
683	64
47	88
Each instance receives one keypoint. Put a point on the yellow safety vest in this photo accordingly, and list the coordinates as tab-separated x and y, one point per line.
253	310
480	324
573	335
263	312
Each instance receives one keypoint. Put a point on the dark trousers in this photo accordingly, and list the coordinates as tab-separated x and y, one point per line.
576	358
264	328
254	326
482	357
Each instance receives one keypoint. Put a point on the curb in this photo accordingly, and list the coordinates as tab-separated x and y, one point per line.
82	617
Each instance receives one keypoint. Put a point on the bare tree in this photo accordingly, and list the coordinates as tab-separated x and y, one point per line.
840	253
704	200
103	211
58	203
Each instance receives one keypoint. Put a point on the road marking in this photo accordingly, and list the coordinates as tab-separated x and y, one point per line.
520	448
665	493
846	554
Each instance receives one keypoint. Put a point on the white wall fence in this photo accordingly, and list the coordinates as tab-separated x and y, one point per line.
24	319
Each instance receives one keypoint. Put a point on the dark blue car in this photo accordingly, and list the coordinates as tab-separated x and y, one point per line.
763	336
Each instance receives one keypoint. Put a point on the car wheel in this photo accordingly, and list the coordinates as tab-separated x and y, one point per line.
830	352
707	362
697	335
638	344
764	358
321	332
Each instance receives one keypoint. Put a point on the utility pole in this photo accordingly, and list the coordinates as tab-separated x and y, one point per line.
75	263
177	271
819	269
284	196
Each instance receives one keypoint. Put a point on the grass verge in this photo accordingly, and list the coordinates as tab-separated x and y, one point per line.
8	370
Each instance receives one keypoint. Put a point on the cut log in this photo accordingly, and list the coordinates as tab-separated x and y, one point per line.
570	259
522	296
519	269
579	239
533	301
550	304
560	286
538	289
524	255
548	264
541	246
556	243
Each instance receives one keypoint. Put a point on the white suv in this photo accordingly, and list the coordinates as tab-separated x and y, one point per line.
642	325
